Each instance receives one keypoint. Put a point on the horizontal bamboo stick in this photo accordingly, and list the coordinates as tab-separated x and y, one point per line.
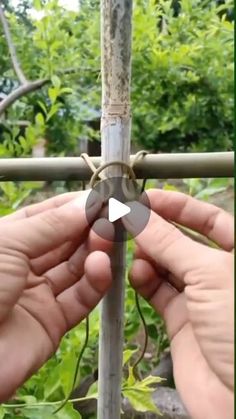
152	166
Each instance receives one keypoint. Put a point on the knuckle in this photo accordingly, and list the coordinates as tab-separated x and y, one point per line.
167	236
214	269
54	222
210	222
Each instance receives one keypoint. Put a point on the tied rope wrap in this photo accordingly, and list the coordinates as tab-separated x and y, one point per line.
98	175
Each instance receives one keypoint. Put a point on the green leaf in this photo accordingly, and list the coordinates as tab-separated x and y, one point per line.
9	189
37	5
23	143
139	393
2	412
3	151
56	81
169	187
93	391
141	400
37	413
42	106
207	192
39	119
53	384
68	412
131	378
28	399
66	90
53	94
127	355
54	109
15	132
150	380
67	369
152	331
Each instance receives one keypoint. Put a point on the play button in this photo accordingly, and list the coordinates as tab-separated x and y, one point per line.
116	194
116	210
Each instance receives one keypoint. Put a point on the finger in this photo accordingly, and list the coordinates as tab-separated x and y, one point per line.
34	209
144	278
62	253
163	297
207	219
68	273
48	230
188	360
165	244
139	254
77	301
145	274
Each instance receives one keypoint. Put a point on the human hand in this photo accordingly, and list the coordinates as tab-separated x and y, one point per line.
192	287
53	272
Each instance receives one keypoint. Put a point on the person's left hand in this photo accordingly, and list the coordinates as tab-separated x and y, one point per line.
53	272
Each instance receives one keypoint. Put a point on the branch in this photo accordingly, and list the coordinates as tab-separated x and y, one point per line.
29	87
26	86
16	65
23	90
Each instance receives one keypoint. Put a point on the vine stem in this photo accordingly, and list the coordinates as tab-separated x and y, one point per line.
145	332
67	399
43	404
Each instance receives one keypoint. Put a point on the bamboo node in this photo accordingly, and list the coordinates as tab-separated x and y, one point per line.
117	110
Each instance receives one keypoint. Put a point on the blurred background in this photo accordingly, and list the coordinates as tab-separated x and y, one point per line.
182	101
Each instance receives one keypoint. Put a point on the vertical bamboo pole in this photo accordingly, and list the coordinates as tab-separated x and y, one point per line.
116	29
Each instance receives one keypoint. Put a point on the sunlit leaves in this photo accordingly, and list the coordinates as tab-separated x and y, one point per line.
139	393
182	76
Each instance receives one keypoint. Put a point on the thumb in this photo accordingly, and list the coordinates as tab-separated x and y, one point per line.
43	232
165	244
32	237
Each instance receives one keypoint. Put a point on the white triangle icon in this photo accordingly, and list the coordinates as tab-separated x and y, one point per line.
116	210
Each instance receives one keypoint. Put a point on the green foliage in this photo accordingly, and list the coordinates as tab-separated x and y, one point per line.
182	73
13	195
54	47
32	410
183	76
139	393
205	188
41	395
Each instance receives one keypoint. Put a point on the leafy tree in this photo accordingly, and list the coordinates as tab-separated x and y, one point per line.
51	47
183	77
182	73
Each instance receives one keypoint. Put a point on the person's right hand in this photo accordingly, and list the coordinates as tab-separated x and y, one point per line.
192	287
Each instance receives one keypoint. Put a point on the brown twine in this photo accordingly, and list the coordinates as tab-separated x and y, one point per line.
138	155
90	164
109	164
97	172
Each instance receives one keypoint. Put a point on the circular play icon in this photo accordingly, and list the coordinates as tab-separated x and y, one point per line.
121	204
